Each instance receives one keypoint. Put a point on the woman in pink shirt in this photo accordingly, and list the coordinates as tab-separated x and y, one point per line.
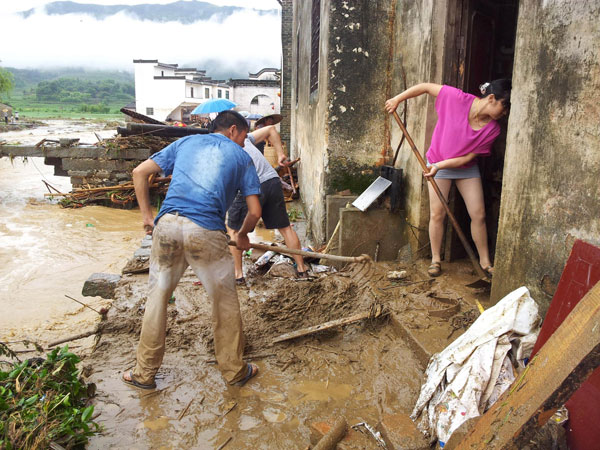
466	128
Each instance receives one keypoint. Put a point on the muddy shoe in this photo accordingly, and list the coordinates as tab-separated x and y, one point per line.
435	269
489	270
252	372
127	378
302	275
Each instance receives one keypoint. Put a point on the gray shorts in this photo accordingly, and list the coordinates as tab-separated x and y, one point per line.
274	213
458	173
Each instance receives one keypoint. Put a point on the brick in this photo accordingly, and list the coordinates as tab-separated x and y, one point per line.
401	433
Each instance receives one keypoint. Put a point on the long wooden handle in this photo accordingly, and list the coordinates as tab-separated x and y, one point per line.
436	188
293	251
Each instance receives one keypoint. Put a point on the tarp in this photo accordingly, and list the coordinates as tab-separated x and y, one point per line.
469	375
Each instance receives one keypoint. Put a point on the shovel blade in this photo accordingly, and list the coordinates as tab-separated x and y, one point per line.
482	283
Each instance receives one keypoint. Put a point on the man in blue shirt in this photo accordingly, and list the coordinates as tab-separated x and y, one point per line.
189	229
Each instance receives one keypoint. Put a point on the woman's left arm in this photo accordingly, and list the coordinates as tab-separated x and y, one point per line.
451	163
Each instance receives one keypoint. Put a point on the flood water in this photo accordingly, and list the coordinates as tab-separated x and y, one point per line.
47	252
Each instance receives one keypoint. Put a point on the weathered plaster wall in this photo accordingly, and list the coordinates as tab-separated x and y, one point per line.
360	34
418	50
309	115
551	188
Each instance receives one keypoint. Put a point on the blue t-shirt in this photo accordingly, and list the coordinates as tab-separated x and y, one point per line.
207	172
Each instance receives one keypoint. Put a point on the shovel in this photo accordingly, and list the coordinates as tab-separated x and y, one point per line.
484	280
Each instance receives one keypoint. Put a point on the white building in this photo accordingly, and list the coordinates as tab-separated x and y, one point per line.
165	91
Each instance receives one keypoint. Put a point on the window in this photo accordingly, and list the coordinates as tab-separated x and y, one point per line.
206	92
192	92
315	29
149	111
162	73
219	93
254	101
227	95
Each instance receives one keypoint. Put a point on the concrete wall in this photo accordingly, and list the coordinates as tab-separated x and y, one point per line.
243	95
417	57
166	96
340	131
360	45
310	124
369	51
551	189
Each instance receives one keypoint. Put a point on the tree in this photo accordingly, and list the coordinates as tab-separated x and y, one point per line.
6	81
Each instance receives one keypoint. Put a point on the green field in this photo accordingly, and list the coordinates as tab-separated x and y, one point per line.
69	94
46	110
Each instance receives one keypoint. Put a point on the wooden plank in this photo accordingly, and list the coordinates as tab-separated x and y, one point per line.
323	326
561	366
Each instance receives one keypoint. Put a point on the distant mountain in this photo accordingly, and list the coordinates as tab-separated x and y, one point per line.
181	11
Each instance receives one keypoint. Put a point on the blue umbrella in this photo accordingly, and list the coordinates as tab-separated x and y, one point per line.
214	105
254	116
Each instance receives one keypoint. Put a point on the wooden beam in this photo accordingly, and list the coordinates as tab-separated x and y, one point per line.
555	373
326	325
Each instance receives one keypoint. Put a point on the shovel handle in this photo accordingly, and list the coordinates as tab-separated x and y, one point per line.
293	251
436	188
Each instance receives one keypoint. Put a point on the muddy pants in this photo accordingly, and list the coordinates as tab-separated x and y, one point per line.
176	243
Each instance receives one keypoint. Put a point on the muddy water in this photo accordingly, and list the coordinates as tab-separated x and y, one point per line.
47	252
56	129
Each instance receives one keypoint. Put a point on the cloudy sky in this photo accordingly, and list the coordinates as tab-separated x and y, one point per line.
245	41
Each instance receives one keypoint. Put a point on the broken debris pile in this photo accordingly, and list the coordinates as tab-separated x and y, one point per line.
122	195
469	375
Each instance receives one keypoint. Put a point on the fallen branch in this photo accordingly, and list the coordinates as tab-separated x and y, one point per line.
327	325
225	443
182	413
87	306
72	338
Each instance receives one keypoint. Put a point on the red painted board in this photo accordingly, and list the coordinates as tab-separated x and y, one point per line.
580	274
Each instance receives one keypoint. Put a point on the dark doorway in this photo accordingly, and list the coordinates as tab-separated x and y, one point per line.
479	47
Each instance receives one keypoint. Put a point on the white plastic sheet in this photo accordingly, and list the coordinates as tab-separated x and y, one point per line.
469	375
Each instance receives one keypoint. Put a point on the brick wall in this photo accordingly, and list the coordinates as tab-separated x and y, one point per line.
287	18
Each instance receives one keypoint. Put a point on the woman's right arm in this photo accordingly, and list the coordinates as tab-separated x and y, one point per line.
418	89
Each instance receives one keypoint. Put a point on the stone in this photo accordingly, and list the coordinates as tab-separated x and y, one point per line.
282	269
397	275
101	285
135	265
147	241
142	253
401	433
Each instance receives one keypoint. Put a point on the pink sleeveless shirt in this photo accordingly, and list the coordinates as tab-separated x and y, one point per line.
453	135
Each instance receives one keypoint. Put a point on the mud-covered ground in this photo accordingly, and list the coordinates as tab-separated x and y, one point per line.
362	371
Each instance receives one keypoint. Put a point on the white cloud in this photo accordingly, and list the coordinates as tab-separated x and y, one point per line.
23	5
244	40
